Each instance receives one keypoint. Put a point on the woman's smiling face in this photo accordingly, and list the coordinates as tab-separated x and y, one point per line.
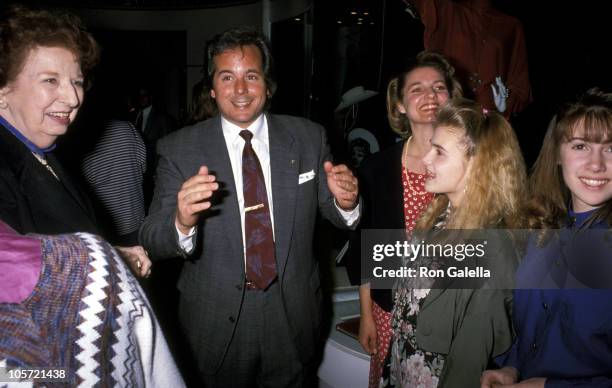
423	93
587	170
45	96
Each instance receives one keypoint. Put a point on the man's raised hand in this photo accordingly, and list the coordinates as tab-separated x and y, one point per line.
342	184
194	198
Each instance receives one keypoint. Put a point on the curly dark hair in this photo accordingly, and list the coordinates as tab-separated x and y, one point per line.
23	28
235	38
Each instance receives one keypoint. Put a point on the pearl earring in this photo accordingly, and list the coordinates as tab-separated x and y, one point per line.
3	104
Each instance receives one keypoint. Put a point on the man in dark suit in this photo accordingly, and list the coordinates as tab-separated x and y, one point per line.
152	123
242	330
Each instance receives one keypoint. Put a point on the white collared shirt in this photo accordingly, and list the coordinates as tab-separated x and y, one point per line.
261	144
235	145
143	116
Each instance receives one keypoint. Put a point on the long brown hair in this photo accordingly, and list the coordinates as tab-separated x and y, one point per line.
550	196
496	184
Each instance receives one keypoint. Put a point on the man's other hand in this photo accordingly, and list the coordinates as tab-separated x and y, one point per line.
343	185
194	198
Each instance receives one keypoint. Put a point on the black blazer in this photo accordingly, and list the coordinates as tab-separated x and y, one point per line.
32	200
380	186
159	124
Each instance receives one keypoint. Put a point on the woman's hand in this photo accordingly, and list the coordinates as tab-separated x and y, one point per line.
367	333
534	382
367	326
495	378
137	259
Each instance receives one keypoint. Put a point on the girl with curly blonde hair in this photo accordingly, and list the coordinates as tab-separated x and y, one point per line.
391	184
445	336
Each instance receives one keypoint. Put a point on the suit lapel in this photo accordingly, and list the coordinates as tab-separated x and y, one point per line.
440	285
284	167
71	188
216	157
57	206
431	297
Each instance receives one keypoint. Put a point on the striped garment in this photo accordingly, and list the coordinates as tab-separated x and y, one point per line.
89	315
114	170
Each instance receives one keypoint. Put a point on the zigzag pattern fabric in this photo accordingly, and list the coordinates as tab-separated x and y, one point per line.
89	315
260	262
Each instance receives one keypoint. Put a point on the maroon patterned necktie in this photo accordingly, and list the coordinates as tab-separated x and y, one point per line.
260	263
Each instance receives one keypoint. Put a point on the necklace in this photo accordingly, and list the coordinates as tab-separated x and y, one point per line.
443	218
405	170
44	162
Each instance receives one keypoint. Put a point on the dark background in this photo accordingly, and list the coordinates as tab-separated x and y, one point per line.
319	58
568	46
321	54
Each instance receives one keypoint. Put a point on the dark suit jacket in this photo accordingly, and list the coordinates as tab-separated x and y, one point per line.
159	124
212	280
380	186
32	200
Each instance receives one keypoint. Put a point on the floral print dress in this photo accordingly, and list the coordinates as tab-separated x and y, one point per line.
409	366
416	200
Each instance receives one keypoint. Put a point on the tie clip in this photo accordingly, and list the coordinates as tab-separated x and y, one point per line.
254	207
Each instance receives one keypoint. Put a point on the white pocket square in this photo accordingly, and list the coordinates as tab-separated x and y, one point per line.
305	177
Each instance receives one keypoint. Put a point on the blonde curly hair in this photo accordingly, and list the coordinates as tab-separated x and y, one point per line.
496	183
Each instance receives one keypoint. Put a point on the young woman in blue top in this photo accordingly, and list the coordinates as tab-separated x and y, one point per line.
564	334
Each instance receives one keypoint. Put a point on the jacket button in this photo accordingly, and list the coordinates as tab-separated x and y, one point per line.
232	319
545	306
534	346
426	330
